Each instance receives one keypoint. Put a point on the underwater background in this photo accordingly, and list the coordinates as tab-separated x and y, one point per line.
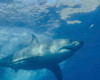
52	19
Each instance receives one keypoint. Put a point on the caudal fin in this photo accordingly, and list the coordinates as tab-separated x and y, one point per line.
2	72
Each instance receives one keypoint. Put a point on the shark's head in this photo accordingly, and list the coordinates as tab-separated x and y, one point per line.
61	45
64	48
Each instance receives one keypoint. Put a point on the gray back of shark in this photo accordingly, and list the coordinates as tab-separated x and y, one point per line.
42	55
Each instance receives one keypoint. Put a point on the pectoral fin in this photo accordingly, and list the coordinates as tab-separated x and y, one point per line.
56	70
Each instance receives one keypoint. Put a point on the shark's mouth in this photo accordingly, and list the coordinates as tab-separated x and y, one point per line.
66	48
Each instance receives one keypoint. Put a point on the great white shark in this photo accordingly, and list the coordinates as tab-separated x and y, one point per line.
39	55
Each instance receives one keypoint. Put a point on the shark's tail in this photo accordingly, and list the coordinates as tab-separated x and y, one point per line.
2	73
2	70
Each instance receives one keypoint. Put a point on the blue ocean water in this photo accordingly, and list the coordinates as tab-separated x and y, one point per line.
83	65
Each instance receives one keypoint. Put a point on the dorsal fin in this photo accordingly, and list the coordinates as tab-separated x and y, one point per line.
56	71
33	40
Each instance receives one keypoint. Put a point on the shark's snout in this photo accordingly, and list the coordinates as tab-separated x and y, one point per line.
76	45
